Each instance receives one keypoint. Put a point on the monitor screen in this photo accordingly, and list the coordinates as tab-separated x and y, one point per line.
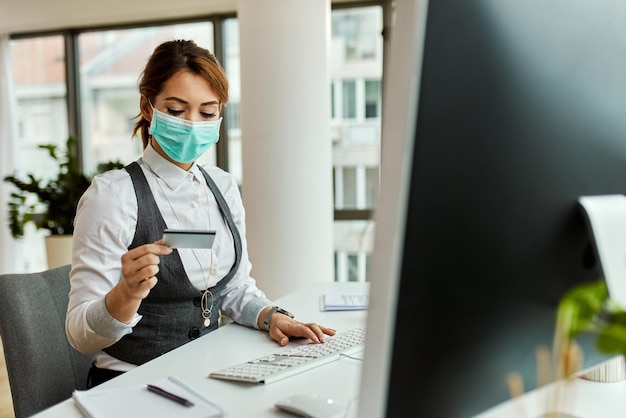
498	115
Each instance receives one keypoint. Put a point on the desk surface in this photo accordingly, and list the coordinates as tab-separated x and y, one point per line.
233	344
571	398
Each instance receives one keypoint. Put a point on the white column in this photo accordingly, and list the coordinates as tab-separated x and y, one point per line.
286	144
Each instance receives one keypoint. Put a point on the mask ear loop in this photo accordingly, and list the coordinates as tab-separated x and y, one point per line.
150	136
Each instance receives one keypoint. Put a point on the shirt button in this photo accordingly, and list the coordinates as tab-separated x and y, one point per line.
194	204
212	271
194	333
197	301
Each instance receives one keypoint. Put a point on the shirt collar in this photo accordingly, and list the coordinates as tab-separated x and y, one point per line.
171	174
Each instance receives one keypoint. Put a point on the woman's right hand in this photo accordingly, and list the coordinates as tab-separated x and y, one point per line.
139	268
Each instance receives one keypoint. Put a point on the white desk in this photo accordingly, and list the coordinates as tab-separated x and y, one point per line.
233	344
573	398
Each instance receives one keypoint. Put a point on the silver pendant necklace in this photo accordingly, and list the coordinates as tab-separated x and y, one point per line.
207	309
205	306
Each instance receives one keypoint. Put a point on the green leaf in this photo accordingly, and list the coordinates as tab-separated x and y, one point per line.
588	308
56	199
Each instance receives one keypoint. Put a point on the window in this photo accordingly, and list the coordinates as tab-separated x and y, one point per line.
348	93
371	186
359	30
38	66
110	66
349	188
231	114
355	187
372	99
356	74
333	112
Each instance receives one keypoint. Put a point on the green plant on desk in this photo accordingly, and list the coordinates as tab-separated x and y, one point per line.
587	308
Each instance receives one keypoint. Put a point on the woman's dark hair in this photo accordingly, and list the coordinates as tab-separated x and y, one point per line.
168	59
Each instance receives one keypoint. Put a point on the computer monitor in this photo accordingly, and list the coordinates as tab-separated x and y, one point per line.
498	115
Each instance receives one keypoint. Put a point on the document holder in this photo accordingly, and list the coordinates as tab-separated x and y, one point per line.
606	216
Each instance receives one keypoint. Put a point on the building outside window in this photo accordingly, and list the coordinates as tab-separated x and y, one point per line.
373	102
356	72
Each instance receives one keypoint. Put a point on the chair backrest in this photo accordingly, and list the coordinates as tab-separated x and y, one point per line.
43	368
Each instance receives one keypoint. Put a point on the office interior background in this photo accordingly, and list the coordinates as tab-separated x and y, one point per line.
83	80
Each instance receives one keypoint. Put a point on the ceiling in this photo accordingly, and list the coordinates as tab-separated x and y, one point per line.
22	16
36	15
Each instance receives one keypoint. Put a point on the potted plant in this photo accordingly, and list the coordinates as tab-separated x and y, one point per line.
588	309
51	204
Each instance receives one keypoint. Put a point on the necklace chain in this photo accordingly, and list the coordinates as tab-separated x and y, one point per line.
207	309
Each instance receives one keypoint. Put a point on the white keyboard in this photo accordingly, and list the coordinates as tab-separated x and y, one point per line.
290	361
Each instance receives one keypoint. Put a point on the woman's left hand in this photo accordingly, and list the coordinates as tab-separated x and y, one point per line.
282	327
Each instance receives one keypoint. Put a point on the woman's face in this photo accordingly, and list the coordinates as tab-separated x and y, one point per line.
187	96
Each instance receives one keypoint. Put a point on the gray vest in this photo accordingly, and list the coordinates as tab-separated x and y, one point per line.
172	315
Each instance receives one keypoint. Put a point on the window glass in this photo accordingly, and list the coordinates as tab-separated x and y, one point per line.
356	74
231	115
110	67
349	99
371	186
359	31
372	99
333	112
355	239
38	66
350	191
353	267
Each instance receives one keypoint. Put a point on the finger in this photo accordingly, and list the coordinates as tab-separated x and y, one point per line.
155	248
319	331
147	283
143	287
146	273
140	268
137	258
299	329
277	334
328	331
319	334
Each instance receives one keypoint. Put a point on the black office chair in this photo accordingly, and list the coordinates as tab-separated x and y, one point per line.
43	368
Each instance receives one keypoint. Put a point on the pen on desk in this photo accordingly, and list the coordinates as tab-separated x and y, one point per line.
169	395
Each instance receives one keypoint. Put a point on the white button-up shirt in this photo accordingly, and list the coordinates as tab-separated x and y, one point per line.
104	227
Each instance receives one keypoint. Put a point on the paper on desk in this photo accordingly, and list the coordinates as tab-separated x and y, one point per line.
340	301
136	401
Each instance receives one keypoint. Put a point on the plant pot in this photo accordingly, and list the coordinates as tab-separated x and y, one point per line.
58	250
610	371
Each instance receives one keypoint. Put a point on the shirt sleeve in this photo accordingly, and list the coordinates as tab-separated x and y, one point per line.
242	301
105	222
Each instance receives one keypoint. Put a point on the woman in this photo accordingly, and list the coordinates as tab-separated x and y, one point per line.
133	298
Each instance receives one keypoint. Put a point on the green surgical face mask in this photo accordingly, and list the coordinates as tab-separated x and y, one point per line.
182	140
